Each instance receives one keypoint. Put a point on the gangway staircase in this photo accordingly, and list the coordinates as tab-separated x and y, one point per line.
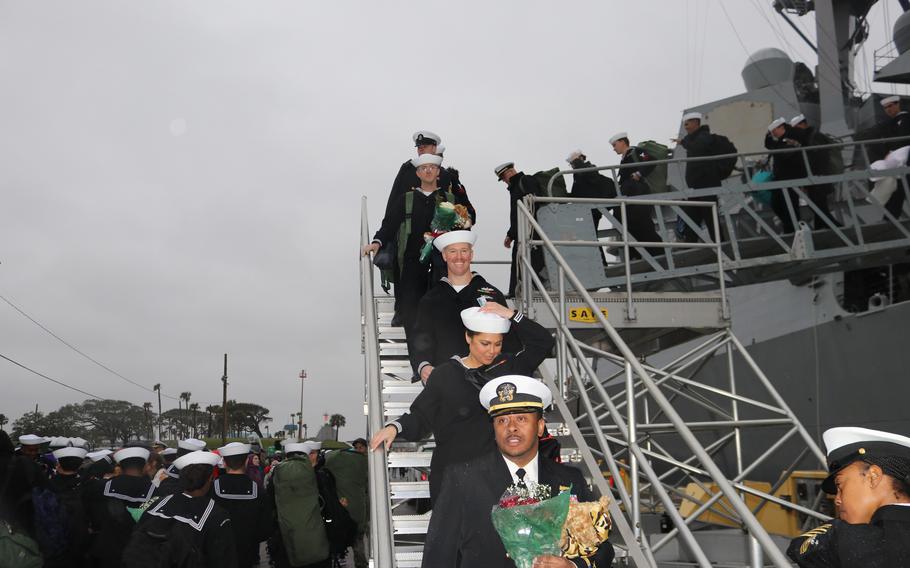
626	430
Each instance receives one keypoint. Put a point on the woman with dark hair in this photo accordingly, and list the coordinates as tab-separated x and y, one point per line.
448	407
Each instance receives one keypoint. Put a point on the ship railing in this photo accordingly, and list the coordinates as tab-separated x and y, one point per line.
743	218
381	533
641	447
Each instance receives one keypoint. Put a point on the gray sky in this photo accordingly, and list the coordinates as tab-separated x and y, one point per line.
183	179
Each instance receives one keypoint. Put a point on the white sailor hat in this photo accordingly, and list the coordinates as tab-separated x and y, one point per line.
197	457
32	440
484	322
70	452
426	159
296	447
79	442
890	100
693	116
501	168
440	149
848	444
453	237
512	394
797	119
234	449
168	451
311	446
618	136
134	452
99	455
424	137
191	444
780	121
58	442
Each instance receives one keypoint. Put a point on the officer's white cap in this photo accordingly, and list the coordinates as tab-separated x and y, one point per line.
296	447
514	393
440	150
98	455
836	438
776	122
32	440
484	322
234	449
70	452
422	137
889	100
127	453
797	119
693	116
454	237
618	136
311	446
501	168
168	451
191	444
426	159
197	457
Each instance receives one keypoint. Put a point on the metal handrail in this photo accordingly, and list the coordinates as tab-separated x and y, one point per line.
381	530
529	223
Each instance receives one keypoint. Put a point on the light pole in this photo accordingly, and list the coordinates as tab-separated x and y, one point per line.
300	414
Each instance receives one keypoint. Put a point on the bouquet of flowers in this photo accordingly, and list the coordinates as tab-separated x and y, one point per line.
447	217
587	527
530	522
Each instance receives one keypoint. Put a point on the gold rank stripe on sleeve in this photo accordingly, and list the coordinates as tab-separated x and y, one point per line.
818	530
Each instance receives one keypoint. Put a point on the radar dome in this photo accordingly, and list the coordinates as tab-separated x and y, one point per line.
766	67
901	33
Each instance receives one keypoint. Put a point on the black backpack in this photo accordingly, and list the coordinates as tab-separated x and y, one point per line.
159	542
340	528
721	145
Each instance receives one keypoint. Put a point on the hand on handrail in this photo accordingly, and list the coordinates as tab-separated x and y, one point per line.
371	248
384	437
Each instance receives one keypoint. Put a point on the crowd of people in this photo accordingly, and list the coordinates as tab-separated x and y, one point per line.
64	506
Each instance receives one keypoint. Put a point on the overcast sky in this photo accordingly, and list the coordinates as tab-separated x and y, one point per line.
181	180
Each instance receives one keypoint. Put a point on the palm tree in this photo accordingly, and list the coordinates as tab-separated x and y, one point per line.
194	407
336	422
147	407
185	397
3	421
157	387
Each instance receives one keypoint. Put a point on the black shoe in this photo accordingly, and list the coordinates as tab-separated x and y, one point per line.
396	320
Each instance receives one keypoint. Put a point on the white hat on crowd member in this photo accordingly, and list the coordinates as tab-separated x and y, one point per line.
693	116
501	168
511	394
168	451
127	453
99	455
423	137
234	449
453	237
79	442
776	122
32	440
296	447
191	444
484	322
426	159
618	136
440	150
797	119
58	442
890	100
197	457
311	446
70	452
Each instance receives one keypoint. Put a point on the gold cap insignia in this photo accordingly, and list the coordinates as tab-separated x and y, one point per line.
505	392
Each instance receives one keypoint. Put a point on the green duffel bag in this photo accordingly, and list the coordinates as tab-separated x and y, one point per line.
299	515
17	549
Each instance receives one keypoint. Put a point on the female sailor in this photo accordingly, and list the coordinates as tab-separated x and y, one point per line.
448	407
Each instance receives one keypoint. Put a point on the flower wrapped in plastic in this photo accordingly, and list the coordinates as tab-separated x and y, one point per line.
587	527
530	522
447	217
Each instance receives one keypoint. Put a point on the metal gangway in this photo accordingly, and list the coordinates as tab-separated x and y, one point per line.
859	233
628	424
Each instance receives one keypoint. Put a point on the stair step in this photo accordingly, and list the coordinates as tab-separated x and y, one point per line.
410	459
386	349
411	524
389	332
398	386
410	489
408	559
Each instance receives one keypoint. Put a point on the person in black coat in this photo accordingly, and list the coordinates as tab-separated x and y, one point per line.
518	185
250	512
438	331
632	183
896	125
820	164
448	407
461	532
591	185
787	165
130	489
413	276
699	142
426	142
68	489
870	478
